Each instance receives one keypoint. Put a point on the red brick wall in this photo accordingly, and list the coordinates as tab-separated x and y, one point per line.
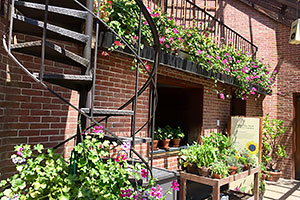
272	41
28	113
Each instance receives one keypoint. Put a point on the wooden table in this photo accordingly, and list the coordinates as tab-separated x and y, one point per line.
217	183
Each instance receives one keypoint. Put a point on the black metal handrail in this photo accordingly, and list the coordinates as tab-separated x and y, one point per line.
188	14
151	81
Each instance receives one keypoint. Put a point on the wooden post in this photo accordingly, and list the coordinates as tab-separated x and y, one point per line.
182	188
256	186
216	192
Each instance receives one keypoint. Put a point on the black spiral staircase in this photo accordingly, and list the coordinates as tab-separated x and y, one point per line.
63	20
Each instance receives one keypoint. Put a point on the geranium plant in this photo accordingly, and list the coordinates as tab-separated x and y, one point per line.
92	172
250	74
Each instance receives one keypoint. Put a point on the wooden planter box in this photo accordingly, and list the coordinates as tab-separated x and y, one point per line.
217	183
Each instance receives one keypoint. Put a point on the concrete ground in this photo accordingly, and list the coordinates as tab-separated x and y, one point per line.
283	189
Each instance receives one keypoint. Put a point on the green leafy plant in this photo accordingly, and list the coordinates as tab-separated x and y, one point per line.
219	168
218	140
177	133
246	158
206	155
92	172
272	150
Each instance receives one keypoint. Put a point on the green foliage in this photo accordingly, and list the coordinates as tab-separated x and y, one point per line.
272	150
219	168
168	133
218	140
123	17
177	133
89	174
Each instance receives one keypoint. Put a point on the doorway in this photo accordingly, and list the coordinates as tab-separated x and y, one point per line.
180	104
297	135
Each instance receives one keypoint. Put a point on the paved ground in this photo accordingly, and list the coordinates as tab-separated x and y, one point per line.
283	189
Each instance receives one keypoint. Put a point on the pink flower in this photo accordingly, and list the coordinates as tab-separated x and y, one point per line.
222	96
117	43
104	53
252	92
175	185
230	58
224	61
248	78
208	56
199	52
168	46
254	89
279	93
180	39
171	39
144	173
175	31
227	70
98	129
238	61
218	57
238	77
19	153
226	54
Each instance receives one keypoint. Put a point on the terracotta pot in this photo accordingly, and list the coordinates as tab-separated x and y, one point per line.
176	142
155	142
274	176
246	167
192	169
165	143
232	170
217	176
203	171
263	176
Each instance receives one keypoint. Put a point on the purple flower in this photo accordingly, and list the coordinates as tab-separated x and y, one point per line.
126	145
19	153
222	96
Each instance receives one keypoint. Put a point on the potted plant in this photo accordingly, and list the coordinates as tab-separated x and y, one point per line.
246	159
165	136
156	138
272	150
188	158
232	161
206	155
177	136
219	169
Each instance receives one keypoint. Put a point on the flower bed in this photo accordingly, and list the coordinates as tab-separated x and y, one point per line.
250	74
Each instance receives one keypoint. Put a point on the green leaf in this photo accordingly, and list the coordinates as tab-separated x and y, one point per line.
3	183
39	148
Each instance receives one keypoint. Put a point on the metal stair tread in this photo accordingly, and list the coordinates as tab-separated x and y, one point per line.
62	3
31	26
53	52
108	112
65	17
73	82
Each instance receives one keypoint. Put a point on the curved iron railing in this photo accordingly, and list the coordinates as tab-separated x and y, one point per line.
188	14
151	81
